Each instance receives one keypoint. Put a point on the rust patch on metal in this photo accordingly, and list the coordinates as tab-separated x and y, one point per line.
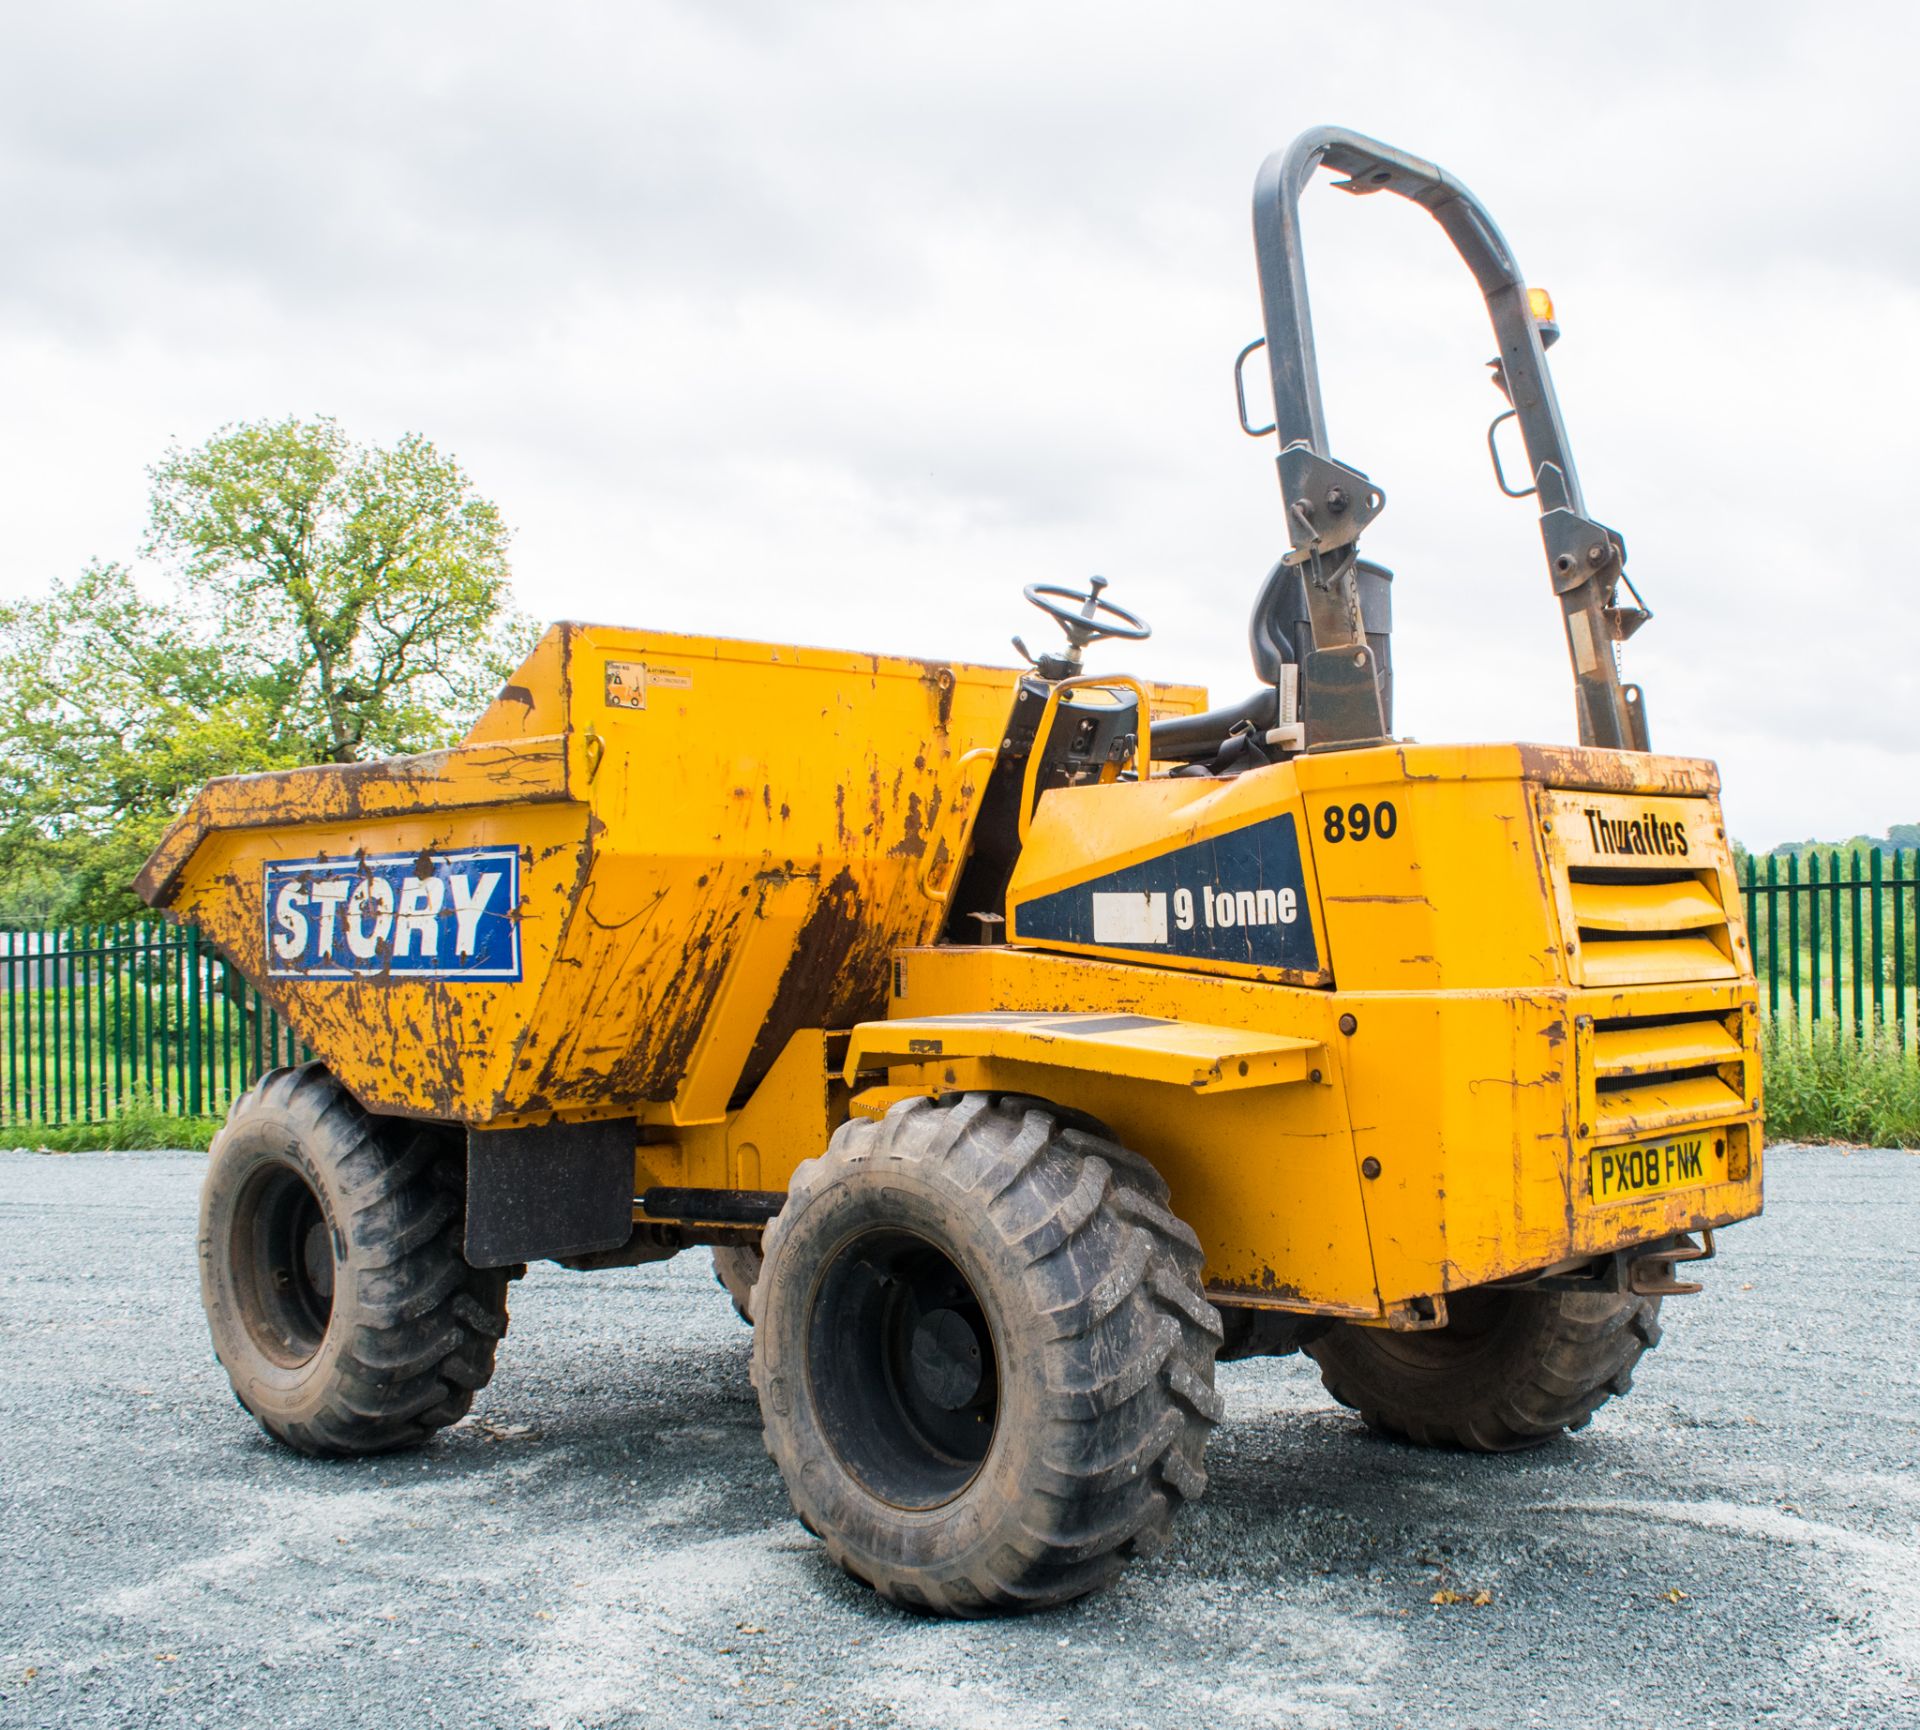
913	841
837	974
1274	1294
940	679
1585	769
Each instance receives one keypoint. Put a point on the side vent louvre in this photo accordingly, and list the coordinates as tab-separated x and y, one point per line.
1648	927
1652	1069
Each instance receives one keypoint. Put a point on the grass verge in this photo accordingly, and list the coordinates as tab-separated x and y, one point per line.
1825	1083
139	1125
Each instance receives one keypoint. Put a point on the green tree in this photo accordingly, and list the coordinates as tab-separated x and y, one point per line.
314	601
112	711
362	591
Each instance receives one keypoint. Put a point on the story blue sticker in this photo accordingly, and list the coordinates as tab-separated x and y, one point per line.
420	915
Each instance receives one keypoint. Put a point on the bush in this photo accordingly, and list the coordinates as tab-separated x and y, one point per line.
1826	1083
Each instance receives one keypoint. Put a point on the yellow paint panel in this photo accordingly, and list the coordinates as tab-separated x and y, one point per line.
1680	1045
536	700
1653	961
1661	1105
1652	907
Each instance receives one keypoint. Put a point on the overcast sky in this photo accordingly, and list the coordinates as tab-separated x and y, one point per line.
839	323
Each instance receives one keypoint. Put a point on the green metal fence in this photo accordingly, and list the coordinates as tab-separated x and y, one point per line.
96	1017
1834	940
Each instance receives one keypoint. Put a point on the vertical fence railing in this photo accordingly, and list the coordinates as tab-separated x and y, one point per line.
97	1019
1834	940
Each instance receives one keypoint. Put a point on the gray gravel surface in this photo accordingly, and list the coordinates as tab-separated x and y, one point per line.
604	1542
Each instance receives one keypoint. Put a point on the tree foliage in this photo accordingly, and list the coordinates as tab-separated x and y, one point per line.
312	601
359	589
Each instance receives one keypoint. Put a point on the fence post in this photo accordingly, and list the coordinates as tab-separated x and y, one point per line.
1813	934
146	1005
61	1046
1773	937
85	1066
195	1101
109	1016
1753	910
1879	944
224	1004
1900	947
76	988
13	1042
13	1028
1836	942
1793	931
29	1015
1854	947
119	1017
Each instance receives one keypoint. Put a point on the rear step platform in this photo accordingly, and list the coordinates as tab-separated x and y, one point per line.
1192	1054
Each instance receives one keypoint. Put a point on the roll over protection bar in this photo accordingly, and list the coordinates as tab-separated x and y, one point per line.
1329	504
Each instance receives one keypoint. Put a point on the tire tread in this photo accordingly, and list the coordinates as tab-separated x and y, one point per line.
1129	1396
1584	1354
429	1324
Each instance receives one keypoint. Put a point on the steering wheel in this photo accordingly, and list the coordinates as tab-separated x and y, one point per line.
1095	619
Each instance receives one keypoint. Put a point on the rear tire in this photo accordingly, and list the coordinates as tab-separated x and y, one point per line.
983	1355
330	1268
736	1267
1512	1369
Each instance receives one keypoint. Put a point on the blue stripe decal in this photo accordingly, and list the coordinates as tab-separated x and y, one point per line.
1239	898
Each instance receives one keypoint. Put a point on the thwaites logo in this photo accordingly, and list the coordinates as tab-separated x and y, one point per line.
1647	836
451	915
1239	898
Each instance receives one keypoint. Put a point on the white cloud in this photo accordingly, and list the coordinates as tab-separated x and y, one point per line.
840	323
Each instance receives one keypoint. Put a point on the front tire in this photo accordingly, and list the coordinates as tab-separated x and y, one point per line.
1511	1369
983	1356
330	1268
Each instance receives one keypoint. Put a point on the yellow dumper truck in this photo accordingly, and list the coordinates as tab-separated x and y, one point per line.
1021	1042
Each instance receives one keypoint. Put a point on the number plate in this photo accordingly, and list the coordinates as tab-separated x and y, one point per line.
1649	1168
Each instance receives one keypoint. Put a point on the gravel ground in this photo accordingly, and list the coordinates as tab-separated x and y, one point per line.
604	1542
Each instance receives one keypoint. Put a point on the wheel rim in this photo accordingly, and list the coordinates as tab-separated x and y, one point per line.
903	1369
283	1258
